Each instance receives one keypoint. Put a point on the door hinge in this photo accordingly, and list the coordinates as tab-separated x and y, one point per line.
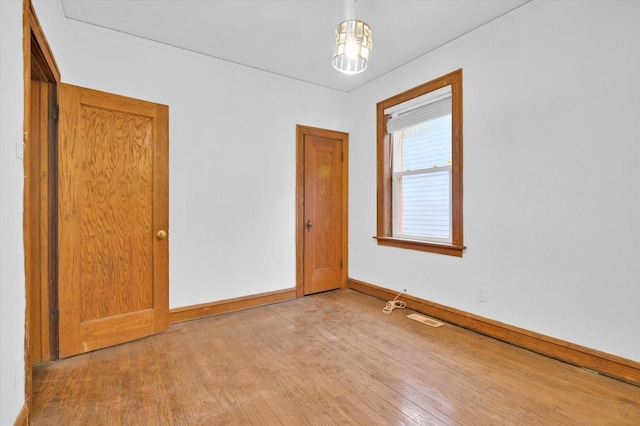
54	315
342	156
56	112
340	264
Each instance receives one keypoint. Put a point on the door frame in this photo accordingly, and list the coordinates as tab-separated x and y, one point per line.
38	235
301	131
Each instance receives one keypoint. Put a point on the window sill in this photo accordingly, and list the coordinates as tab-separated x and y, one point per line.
447	249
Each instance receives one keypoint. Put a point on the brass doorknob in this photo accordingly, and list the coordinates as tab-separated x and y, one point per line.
162	234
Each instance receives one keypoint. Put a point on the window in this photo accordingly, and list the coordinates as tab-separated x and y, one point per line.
420	167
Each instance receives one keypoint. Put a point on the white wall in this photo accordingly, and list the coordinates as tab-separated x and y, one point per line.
551	176
232	152
12	290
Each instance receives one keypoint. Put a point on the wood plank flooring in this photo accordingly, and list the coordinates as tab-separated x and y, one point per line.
331	358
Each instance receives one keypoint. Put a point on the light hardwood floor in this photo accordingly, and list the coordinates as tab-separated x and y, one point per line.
331	358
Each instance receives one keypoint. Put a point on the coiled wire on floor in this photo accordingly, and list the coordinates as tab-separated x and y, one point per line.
393	304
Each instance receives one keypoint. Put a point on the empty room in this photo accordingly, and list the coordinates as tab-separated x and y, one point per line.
319	212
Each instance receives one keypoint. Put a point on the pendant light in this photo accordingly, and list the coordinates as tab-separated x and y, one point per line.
353	44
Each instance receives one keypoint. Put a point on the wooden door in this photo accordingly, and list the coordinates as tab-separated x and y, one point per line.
323	212
112	219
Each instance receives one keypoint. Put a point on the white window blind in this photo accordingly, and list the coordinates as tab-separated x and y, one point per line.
418	115
417	110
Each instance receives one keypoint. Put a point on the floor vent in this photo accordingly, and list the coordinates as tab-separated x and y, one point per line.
425	320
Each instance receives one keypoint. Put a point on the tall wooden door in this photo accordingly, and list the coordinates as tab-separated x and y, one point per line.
324	209
112	219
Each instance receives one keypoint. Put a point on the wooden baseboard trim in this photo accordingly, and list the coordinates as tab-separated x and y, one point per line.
206	309
23	417
603	363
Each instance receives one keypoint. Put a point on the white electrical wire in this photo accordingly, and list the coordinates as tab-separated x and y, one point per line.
393	304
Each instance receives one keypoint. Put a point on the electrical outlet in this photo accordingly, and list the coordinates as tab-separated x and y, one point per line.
483	294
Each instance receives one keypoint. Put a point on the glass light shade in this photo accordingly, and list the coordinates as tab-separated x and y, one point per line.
353	44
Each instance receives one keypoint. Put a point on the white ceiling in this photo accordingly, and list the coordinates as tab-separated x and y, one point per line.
293	38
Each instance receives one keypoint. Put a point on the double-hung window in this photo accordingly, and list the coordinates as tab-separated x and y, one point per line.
420	168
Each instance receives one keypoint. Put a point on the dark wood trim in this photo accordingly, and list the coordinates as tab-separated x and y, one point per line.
192	312
344	137
40	197
38	206
161	216
451	250
299	211
384	207
383	178
32	28
619	368
23	417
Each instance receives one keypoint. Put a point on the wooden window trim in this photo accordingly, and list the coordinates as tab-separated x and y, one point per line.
384	205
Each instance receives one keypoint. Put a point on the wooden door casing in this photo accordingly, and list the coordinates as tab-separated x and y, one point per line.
41	78
39	233
113	199
322	210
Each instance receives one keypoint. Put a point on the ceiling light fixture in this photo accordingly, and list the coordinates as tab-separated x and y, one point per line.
353	44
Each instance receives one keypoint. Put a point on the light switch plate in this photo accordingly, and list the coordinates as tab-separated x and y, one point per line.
19	146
